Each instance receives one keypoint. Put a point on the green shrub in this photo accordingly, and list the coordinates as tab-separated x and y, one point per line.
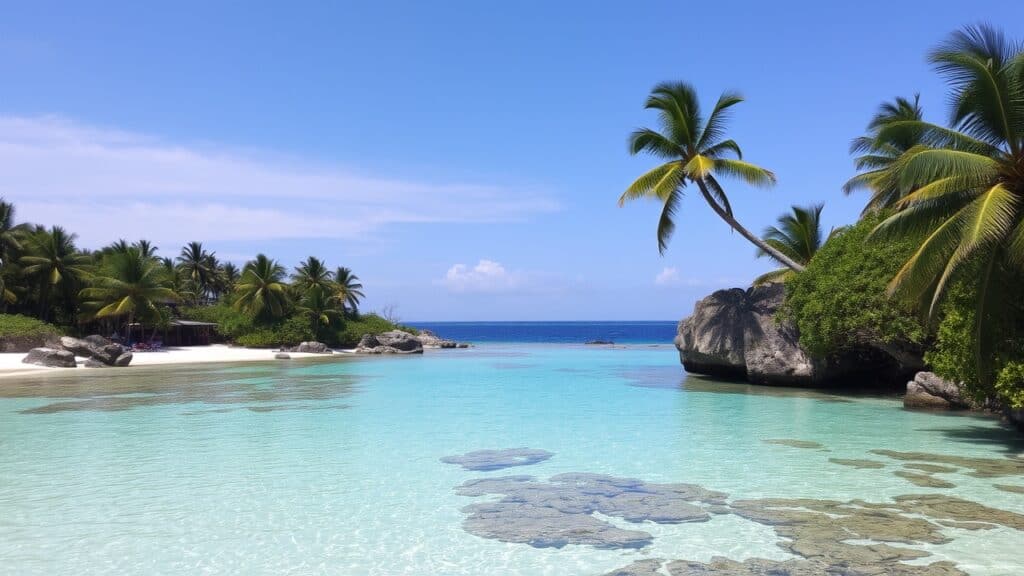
353	329
21	333
1010	384
289	332
840	300
231	324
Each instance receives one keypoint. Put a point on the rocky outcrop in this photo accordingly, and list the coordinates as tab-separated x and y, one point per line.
927	390
50	357
737	334
391	342
430	340
310	348
97	348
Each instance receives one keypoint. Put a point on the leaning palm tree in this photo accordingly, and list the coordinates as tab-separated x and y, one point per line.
696	152
311	273
128	284
55	262
348	291
261	290
798	235
880	149
968	200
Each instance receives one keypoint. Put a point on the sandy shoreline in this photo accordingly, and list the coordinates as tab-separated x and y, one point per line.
11	362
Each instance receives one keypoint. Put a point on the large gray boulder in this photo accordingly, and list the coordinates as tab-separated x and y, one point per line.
927	390
391	342
50	357
312	348
737	334
95	347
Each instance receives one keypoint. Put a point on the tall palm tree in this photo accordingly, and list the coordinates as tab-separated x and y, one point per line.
879	149
317	303
348	291
968	182
261	291
311	273
198	266
696	152
128	284
798	235
53	259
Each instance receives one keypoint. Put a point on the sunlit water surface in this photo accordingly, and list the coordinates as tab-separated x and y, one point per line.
333	467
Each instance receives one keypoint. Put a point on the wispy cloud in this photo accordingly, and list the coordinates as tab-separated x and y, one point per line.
106	183
670	276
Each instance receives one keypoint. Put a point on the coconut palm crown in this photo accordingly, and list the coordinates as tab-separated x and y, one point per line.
798	235
967	203
695	152
261	290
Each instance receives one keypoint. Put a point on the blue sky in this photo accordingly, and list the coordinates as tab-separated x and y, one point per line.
464	158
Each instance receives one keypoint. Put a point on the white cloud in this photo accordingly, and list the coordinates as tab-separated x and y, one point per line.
669	276
486	276
106	184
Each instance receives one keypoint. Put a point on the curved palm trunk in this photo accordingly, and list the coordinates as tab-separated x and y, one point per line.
754	239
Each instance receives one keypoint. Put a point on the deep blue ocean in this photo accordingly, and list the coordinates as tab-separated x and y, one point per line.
635	332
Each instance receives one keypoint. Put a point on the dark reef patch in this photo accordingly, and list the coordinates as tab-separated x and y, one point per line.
489	460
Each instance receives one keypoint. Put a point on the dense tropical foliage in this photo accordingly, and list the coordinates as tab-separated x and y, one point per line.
49	285
937	259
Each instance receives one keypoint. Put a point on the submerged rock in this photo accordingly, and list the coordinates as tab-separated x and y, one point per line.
391	342
50	357
488	460
925	480
792	443
927	390
737	333
980	467
561	511
857	463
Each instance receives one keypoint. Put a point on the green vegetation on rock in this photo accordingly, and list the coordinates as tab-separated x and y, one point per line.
840	302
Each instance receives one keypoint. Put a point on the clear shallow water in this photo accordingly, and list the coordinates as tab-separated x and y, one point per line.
636	332
334	467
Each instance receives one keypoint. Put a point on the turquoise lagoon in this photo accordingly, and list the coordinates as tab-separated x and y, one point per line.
334	466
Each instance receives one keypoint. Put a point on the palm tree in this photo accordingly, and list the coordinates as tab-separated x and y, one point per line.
317	303
347	289
696	153
798	235
311	273
199	267
146	248
11	235
229	275
968	182
54	261
878	154
261	291
128	283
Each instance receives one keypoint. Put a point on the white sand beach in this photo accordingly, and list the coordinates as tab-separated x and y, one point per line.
11	362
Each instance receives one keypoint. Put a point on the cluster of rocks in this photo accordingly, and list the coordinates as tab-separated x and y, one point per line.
825	536
430	340
99	352
738	334
309	348
391	342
